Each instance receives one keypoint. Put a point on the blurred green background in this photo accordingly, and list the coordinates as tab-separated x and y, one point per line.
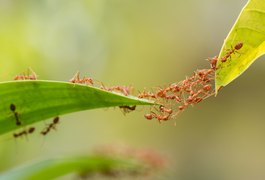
144	43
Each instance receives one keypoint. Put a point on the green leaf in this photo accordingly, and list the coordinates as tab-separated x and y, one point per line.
38	100
51	169
250	30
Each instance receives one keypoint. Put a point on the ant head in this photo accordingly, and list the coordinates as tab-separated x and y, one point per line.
12	107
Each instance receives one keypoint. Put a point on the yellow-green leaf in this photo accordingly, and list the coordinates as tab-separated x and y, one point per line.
250	30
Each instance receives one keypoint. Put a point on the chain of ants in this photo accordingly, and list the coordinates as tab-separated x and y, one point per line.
177	97
172	99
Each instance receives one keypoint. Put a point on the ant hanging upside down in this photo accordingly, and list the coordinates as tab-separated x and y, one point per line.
127	109
153	115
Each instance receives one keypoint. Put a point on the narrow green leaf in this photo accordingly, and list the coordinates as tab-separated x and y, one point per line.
55	168
250	30
38	100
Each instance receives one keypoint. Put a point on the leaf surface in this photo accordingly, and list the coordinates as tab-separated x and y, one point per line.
39	100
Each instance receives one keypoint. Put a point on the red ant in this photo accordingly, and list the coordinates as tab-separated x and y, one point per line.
149	116
197	100
166	110
190	99
198	93
25	132
50	126
237	47
32	76
186	82
162	93
85	80
146	95
207	87
213	62
204	75
163	117
173	97
173	88
127	109
123	89
158	117
201	73
181	108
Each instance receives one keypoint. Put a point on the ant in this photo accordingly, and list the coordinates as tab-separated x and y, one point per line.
25	132
50	126
146	95
32	76
197	100
185	105
213	62
186	82
237	47
162	93
181	108
127	109
190	99
198	93
153	115
13	109
207	88
167	110
85	80
173	88
203	75
149	116
123	89
173	97
163	117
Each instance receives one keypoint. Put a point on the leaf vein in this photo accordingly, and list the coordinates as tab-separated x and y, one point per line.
251	29
255	10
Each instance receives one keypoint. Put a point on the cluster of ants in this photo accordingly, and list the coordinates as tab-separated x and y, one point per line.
176	97
31	130
31	75
181	95
173	99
